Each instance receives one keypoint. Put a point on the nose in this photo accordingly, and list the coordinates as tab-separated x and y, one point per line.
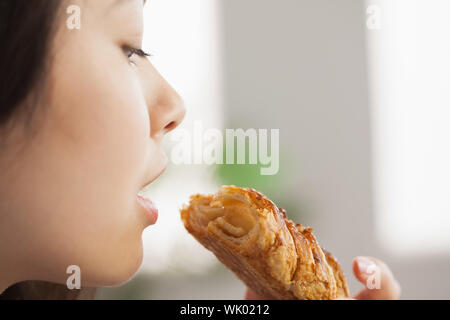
167	110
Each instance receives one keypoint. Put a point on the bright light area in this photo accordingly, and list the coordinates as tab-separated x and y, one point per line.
410	97
184	38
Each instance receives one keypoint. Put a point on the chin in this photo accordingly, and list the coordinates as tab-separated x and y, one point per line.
118	270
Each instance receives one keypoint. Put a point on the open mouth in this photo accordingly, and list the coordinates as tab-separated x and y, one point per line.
146	203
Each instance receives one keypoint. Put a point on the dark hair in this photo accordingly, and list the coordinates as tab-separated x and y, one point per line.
26	33
41	290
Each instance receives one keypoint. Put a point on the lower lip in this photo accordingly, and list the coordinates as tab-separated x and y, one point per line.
149	207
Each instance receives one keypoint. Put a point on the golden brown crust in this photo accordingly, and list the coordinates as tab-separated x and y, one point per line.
273	256
341	282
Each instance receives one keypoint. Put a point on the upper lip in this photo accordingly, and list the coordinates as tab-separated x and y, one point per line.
157	175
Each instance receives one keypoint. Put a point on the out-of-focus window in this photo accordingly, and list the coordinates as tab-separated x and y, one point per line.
409	67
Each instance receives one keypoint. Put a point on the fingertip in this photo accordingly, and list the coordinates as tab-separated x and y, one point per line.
355	267
355	264
375	274
362	266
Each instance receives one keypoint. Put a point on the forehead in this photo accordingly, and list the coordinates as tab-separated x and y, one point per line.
113	14
118	3
110	7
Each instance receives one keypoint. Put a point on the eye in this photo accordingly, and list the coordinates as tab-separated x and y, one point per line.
130	52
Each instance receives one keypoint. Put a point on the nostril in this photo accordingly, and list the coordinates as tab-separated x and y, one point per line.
170	126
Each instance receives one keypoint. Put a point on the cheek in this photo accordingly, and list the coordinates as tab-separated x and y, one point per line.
97	147
106	125
106	118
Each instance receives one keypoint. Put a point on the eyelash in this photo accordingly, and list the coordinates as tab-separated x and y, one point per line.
130	52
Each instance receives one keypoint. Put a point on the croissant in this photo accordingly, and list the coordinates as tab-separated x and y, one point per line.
273	256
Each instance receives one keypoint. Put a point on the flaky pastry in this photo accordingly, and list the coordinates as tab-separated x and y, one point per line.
273	256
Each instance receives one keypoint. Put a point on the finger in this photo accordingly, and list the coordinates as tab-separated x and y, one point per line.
377	278
250	295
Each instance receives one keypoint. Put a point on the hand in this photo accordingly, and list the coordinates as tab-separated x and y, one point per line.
379	282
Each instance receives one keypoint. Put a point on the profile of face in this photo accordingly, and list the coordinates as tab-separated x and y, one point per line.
71	196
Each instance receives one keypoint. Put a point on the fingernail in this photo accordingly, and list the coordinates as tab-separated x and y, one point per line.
366	265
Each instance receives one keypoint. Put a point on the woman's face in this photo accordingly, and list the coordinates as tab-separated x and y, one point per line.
70	198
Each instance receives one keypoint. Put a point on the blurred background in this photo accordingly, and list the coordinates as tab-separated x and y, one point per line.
359	92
